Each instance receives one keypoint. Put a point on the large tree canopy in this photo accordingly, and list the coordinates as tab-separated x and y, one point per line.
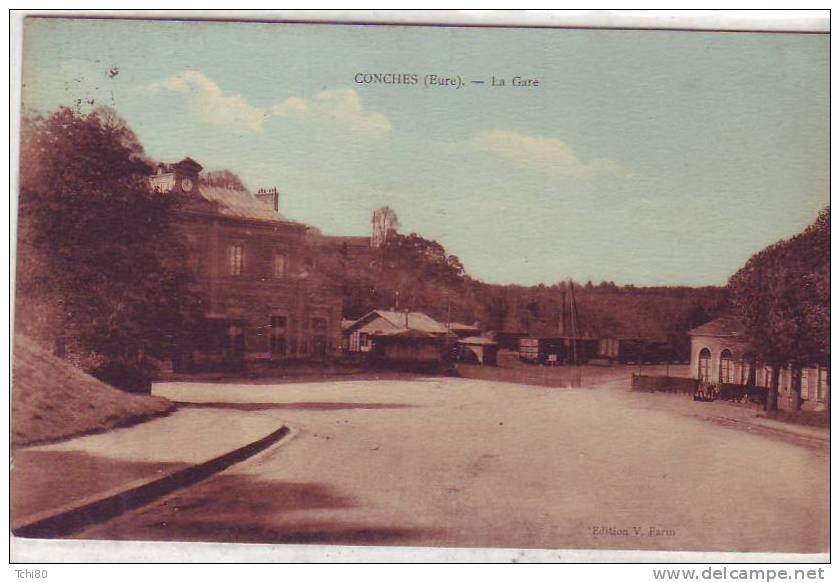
782	296
104	242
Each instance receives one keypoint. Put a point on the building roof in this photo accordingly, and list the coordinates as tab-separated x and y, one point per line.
462	327
403	321
726	326
404	333
189	165
497	333
350	240
240	204
478	340
415	321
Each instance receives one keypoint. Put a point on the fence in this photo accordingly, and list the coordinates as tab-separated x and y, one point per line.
743	393
720	392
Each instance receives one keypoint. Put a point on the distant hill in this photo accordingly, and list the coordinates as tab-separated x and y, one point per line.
53	400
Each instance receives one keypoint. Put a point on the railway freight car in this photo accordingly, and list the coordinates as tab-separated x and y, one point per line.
635	350
557	350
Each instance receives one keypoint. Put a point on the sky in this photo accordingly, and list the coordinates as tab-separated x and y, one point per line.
642	157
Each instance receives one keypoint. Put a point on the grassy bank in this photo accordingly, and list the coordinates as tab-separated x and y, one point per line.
52	400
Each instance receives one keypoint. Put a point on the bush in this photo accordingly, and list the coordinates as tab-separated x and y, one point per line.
129	377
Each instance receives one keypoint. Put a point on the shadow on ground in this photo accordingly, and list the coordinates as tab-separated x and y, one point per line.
44	480
299	406
244	509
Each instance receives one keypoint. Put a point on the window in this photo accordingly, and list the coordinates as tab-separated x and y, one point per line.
822	383
748	369
277	335
234	340
703	365
726	370
236	254
319	338
804	386
278	267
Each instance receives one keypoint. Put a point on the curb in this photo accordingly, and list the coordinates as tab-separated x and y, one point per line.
102	507
758	428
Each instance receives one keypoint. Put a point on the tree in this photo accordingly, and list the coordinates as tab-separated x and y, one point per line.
497	310
385	222
107	245
782	297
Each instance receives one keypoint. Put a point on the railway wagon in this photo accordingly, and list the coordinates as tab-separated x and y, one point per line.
621	350
557	350
635	350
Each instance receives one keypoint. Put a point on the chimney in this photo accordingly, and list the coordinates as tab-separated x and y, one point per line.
269	197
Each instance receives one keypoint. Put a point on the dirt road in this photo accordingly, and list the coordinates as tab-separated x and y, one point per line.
456	462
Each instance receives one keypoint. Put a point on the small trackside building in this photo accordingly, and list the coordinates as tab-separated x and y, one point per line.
721	355
360	333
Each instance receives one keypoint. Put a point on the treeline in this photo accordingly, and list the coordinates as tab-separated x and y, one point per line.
411	272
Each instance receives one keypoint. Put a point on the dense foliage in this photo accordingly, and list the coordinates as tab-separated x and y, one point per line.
782	296
100	271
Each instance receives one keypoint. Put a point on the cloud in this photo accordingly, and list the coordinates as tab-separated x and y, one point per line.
542	153
209	103
339	107
342	107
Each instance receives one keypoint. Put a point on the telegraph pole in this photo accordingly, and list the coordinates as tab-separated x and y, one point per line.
574	329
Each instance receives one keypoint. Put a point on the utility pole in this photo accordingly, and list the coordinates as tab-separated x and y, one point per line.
562	322
574	329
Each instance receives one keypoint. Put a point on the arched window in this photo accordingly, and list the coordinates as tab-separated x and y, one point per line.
703	365
727	371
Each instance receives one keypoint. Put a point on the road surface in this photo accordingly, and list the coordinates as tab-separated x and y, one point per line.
466	463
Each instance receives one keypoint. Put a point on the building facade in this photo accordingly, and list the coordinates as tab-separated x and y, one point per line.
265	297
720	354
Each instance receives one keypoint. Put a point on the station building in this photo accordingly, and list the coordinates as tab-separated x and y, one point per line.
720	354
266	298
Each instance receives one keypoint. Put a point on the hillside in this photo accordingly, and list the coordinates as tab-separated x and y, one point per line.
53	400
